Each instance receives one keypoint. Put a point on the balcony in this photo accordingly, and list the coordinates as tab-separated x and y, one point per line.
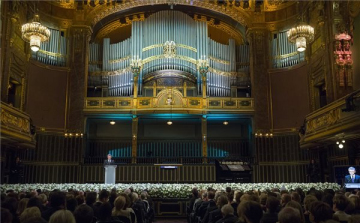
335	121
16	127
178	104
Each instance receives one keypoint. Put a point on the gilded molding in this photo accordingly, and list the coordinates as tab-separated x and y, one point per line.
177	45
99	12
219	60
117	60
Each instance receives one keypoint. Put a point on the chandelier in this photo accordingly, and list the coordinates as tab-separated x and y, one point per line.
300	35
35	33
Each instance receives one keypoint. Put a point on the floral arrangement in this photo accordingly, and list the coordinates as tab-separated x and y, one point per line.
168	190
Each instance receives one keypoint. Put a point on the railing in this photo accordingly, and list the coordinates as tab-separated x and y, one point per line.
126	103
15	125
335	118
168	160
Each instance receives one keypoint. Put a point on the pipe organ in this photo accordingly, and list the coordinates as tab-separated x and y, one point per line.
52	52
284	53
166	41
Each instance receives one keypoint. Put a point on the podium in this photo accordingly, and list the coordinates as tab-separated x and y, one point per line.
110	176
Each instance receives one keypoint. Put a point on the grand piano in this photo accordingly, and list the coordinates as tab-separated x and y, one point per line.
233	171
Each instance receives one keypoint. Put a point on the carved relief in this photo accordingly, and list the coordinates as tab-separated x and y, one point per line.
326	119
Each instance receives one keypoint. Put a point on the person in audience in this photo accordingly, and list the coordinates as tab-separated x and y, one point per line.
6	216
103	197
21	206
105	216
308	200
216	215
354	218
71	204
231	200
295	197
355	200
84	214
289	215
119	210
57	202
250	211
211	205
320	212
194	197
285	198
80	199
30	212
62	216
139	208
208	203
272	207
35	202
35	220
340	204
90	200
228	216
296	205
150	213
44	200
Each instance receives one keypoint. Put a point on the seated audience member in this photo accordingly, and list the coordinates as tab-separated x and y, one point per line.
30	212
150	213
320	212
80	199
204	206
90	200
216	215
296	205
139	208
10	203
84	214
355	200
289	215
57	202
35	220
272	207
228	216
62	216
194	197
295	197
211	208
308	200
71	204
36	202
103	197
22	205
105	210
6	216
340	204
354	218
285	198
119	210
250	211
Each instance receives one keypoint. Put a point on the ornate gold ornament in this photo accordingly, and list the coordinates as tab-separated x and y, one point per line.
203	66
169	49
135	65
35	33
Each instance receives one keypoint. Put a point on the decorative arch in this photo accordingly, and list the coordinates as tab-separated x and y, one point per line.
170	98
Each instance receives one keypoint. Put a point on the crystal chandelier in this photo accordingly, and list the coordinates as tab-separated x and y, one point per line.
300	35
35	33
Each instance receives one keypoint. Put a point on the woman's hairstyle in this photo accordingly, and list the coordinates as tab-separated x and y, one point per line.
29	212
62	216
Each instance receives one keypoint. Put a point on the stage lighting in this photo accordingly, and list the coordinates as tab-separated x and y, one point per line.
112	122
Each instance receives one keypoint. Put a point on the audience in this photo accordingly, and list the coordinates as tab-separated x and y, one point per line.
206	206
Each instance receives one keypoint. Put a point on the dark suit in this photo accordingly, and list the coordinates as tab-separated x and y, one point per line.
348	179
269	217
215	215
228	219
109	162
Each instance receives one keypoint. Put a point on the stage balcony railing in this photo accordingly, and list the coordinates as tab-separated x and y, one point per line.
168	160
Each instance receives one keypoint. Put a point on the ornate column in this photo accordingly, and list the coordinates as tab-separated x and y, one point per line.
135	122
135	65
79	53
203	66
204	138
258	40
